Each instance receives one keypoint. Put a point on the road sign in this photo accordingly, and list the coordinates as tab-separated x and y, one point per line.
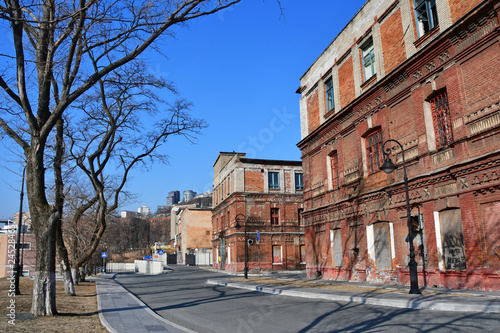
104	254
147	258
258	236
160	251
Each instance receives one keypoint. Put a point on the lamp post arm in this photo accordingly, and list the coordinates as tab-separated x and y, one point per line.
387	151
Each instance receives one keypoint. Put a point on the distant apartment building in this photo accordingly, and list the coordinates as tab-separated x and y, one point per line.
424	73
173	198
188	195
265	198
144	211
129	213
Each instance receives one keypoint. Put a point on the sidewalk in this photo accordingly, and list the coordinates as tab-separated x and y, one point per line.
295	284
122	312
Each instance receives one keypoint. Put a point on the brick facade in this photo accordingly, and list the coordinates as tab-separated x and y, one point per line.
439	96
255	205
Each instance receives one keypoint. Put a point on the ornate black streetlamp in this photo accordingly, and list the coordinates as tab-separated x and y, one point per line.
238	227
389	167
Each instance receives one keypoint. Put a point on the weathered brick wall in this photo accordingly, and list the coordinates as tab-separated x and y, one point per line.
346	77
254	181
460	7
403	123
480	79
393	41
313	110
199	227
317	169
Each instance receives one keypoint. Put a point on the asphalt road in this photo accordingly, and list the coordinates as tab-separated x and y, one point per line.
183	297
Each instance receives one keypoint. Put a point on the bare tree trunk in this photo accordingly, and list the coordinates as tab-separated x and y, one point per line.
69	287
44	287
75	274
82	272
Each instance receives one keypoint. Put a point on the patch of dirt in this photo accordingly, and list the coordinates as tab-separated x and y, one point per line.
75	313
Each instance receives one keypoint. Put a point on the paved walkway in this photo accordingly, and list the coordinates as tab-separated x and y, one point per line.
121	311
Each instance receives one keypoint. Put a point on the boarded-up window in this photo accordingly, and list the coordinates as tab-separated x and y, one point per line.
317	170
336	240
277	254
452	238
492	225
382	240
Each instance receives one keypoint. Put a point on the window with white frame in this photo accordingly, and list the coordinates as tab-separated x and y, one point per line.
330	105
274	180
368	54
426	16
299	182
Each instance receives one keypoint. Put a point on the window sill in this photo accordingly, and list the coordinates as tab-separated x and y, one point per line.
369	82
422	40
329	113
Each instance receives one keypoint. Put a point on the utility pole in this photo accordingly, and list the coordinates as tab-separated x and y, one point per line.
18	268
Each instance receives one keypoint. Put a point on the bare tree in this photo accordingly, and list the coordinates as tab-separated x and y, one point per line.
124	125
54	45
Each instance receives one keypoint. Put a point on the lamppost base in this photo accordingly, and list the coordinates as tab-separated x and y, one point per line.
414	291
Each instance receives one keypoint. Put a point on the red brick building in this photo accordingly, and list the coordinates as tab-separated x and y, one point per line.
265	196
425	73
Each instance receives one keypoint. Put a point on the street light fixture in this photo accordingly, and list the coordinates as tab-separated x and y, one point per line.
389	167
238	227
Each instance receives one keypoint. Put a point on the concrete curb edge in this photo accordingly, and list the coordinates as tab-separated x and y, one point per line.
402	301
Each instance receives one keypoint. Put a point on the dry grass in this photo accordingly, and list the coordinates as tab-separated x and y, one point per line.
76	313
308	284
348	287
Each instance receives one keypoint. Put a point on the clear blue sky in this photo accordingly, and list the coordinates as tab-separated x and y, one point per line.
240	68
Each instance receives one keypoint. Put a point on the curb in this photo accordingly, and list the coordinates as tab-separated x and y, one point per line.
397	300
